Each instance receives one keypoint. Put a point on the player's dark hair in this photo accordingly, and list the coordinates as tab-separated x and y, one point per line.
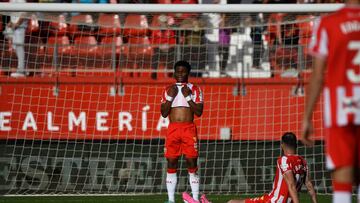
289	139
183	63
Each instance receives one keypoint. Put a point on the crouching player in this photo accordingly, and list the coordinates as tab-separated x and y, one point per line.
291	173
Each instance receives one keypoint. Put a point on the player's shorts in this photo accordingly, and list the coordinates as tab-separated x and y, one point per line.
263	199
181	139
342	146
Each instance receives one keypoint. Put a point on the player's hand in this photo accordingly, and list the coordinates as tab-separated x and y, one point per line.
186	91
172	91
307	130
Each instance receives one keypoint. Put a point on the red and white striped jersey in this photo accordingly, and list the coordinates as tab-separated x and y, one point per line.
179	100
336	38
297	165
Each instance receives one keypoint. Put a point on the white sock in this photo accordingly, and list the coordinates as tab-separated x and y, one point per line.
194	183
171	180
341	197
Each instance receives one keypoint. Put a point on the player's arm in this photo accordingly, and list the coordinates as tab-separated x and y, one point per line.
290	181
310	188
169	96
18	23
314	89
197	108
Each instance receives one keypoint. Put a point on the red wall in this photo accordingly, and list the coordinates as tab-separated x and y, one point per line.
267	110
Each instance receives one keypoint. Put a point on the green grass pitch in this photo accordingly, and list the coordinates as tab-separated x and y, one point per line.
304	198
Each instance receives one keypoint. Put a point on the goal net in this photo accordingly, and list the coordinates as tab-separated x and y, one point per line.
86	119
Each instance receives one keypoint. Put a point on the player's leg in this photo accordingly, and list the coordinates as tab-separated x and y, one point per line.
263	199
171	178
19	37
193	177
236	201
341	156
342	184
172	153
190	150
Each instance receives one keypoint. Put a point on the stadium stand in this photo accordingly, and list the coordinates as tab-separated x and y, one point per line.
109	24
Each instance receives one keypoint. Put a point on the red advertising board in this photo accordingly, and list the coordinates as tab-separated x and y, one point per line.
88	109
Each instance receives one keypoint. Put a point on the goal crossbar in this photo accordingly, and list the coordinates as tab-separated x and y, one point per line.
166	8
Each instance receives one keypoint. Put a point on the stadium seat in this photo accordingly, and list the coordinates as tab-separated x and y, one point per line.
107	43
109	51
273	21
140	47
305	25
86	53
81	25
135	25
305	29
163	37
63	55
305	32
85	46
58	26
109	24
62	43
137	54
161	33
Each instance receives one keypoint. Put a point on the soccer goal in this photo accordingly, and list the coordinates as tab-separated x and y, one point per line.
85	118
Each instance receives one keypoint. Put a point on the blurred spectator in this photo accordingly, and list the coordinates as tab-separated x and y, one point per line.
18	23
224	45
194	49
284	38
256	33
163	39
179	17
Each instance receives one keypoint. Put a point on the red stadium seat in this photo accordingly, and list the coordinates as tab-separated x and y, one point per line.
137	54
273	21
107	43
86	53
109	51
163	40
81	25
109	24
305	25
85	46
305	32
135	25
140	47
163	37
62	43
58	26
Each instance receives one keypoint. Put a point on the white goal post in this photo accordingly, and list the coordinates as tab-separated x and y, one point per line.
174	8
